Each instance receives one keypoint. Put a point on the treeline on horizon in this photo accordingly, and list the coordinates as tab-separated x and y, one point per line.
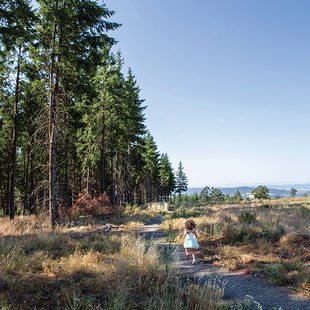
215	195
70	120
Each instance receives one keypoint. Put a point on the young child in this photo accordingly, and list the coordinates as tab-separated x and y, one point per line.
190	243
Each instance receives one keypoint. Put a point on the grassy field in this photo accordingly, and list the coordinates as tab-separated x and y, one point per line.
78	266
268	239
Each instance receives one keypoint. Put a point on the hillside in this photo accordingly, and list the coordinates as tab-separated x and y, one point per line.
278	190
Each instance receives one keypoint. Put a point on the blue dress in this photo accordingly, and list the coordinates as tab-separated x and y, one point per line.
190	241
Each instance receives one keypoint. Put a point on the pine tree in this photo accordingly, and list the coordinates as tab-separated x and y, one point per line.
15	35
166	177
181	180
69	91
238	196
72	35
151	177
293	192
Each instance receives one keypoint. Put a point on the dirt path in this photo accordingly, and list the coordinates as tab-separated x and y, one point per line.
238	286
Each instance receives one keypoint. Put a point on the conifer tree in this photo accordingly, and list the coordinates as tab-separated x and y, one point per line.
15	35
181	180
166	177
238	196
151	159
69	91
72	35
293	192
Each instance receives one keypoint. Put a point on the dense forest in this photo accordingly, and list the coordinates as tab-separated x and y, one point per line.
71	120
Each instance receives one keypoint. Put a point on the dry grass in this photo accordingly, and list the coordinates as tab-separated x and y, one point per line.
268	238
77	266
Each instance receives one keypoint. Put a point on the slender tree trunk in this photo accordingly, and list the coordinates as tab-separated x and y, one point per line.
122	183
80	182
74	180
129	173
14	138
52	133
113	180
66	174
8	187
31	197
103	185
26	180
88	181
1	189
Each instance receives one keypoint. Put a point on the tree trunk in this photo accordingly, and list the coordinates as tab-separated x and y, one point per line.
26	180
88	181
8	187
129	173
53	132
103	185
31	197
73	186
113	181
14	138
66	174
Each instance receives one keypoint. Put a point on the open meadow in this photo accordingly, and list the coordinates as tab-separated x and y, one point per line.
268	239
79	266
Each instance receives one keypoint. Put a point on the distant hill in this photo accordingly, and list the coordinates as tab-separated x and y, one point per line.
274	190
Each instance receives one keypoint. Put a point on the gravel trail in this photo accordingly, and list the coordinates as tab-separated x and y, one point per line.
238	286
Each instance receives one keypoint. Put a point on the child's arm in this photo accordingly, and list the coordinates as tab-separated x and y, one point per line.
195	234
183	235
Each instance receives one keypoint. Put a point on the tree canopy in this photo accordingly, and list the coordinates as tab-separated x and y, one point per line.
71	120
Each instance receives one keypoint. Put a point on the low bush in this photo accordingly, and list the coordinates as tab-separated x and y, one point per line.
284	272
83	268
88	205
247	217
183	212
240	232
271	232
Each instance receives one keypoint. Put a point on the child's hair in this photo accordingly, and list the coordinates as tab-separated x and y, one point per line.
190	225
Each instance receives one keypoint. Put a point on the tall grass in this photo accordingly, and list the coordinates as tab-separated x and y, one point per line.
272	236
80	267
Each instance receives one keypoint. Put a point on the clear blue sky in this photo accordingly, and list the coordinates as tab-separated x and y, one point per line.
226	82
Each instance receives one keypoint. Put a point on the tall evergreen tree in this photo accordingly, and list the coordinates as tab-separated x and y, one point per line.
62	86
181	180
166	177
72	35
15	34
151	177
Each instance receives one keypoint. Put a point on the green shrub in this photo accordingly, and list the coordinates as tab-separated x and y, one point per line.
171	234
233	233
247	217
276	273
302	211
183	212
211	230
271	233
279	273
248	303
238	233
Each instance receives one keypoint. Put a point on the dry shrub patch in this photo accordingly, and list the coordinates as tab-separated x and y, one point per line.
270	239
94	205
80	267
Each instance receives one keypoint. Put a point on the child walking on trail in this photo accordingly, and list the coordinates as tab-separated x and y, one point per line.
190	243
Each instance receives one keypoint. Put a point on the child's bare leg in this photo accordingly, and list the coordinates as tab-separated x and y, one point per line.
186	252
194	256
